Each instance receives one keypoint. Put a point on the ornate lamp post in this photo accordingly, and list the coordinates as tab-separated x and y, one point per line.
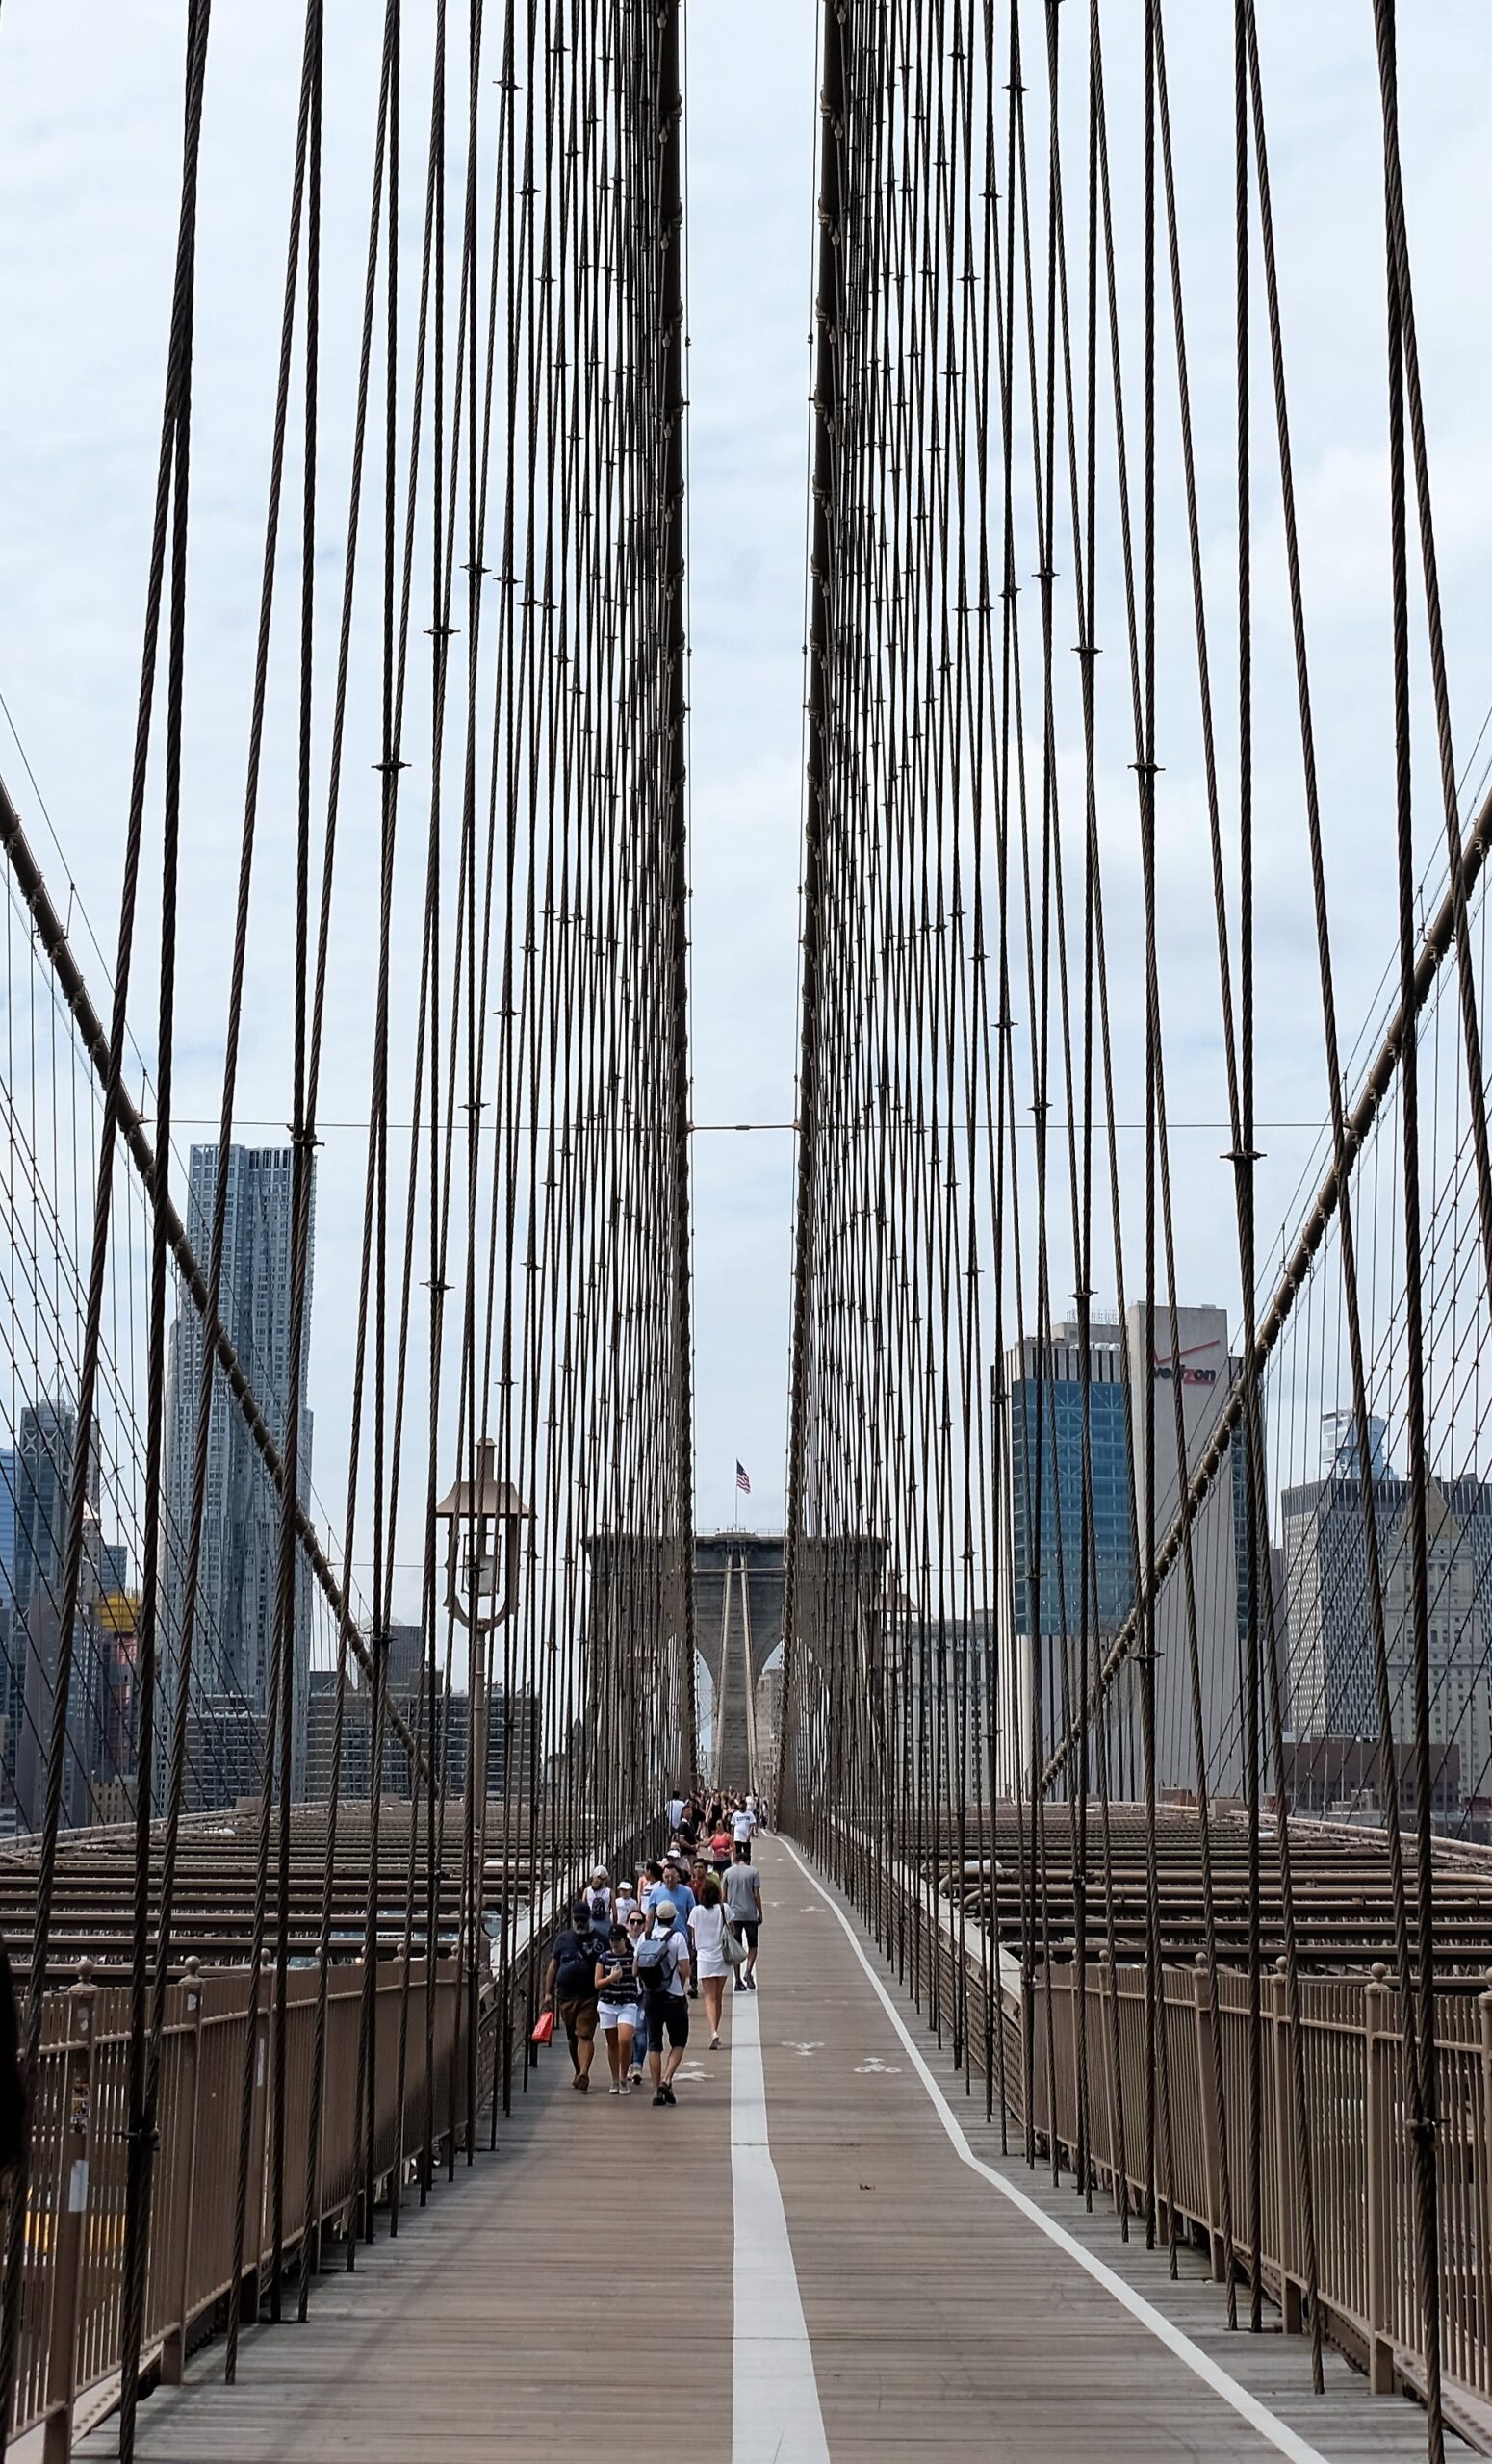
484	1520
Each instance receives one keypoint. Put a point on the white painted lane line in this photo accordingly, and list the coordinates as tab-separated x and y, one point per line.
1278	2434
774	2415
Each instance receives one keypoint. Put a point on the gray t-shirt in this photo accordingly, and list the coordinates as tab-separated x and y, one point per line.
741	1885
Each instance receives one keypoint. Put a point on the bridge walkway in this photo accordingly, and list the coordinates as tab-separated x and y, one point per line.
798	2263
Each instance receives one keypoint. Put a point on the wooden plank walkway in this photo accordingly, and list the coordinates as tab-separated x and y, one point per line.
941	2320
524	2312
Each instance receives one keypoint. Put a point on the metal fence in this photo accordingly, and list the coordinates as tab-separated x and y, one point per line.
73	2291
1356	2138
1357	2115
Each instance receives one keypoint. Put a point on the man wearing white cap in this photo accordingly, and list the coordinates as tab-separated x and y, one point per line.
661	1962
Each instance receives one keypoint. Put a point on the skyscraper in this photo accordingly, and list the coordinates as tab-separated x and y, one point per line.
1043	1483
46	1459
43	1476
1200	1366
13	1640
1334	1691
1042	1439
233	1642
9	1490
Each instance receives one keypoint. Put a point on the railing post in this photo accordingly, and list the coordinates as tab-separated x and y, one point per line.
252	2284
1482	2158
1212	2119
173	2351
1108	2007
69	2222
1292	2306
1377	2055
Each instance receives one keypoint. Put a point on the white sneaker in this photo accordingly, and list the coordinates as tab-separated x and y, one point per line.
616	2088
715	2044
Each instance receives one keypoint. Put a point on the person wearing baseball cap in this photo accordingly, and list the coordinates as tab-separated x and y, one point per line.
661	1961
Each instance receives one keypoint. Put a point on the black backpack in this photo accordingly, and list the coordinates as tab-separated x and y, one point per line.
577	1974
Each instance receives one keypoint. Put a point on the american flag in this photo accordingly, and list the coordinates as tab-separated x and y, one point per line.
742	1479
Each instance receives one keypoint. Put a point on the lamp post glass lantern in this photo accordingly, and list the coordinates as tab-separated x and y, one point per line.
483	1522
482	1519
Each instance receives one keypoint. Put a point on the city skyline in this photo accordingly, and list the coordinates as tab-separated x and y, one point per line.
239	1575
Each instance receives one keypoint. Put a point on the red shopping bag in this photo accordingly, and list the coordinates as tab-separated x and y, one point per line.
543	2028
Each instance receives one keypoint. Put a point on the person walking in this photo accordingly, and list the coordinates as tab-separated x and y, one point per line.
676	1890
661	1960
706	1933
743	1823
721	1844
743	1904
636	1926
616	2006
569	1986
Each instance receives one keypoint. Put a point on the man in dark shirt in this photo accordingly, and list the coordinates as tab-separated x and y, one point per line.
569	1984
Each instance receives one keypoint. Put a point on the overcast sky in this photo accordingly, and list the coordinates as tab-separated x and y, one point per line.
90	117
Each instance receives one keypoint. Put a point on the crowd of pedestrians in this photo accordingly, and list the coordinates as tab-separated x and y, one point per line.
632	1959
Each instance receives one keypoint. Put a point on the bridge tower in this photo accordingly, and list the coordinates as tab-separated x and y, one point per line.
739	1600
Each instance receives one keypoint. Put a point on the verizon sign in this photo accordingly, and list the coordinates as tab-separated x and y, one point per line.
1186	1364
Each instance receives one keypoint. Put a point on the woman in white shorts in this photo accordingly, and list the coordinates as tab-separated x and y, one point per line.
707	1929
616	2008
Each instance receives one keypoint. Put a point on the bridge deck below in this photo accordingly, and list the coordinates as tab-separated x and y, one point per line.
835	2288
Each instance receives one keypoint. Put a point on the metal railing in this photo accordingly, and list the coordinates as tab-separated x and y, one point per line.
1357	2139
1356	2107
73	2293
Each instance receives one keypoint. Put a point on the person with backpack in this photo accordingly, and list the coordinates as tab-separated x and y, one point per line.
600	1897
661	1962
569	1984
